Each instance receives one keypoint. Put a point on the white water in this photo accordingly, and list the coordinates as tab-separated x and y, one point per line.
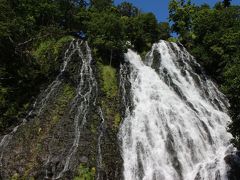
99	144
86	92
177	128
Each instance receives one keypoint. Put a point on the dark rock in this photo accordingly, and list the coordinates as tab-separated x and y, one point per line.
39	148
83	159
233	161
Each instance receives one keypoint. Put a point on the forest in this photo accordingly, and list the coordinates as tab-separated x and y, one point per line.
32	34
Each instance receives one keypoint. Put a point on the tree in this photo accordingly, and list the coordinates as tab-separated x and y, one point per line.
6	18
127	9
181	14
164	30
142	31
82	3
101	5
105	33
226	3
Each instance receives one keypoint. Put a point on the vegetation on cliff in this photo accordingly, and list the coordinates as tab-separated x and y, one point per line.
32	34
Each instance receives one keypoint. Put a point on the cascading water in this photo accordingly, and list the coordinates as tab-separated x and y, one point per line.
85	97
176	129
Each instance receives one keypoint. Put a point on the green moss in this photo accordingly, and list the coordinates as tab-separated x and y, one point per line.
109	80
15	176
60	43
110	102
55	119
42	48
173	39
85	173
44	56
93	129
67	93
117	120
51	44
47	51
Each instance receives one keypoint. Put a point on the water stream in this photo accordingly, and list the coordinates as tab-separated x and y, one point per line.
86	96
177	128
40	102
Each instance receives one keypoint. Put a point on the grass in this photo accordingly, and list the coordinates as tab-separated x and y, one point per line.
109	80
117	120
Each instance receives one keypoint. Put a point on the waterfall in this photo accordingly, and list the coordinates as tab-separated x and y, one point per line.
176	127
85	96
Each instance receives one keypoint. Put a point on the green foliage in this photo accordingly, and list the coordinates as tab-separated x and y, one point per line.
180	14
65	96
164	30
23	26
43	56
141	31
6	18
117	120
105	32
101	5
85	173
226	3
127	9
60	43
47	52
15	176
172	39
31	41
109	80
20	74
110	97
109	31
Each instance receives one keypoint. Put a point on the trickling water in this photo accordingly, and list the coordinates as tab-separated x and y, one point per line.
99	144
177	128
86	96
7	138
40	102
57	82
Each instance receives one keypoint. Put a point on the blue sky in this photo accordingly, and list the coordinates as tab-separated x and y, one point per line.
160	7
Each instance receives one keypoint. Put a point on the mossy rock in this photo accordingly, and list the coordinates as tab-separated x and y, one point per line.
109	80
117	120
85	173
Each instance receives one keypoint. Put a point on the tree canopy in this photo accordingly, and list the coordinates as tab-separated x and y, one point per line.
31	33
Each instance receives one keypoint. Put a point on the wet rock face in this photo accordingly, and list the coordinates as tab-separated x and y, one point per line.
156	60
233	160
60	138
